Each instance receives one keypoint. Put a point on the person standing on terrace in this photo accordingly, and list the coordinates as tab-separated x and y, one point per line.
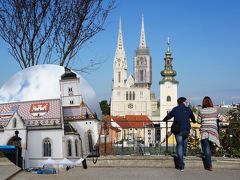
181	123
208	117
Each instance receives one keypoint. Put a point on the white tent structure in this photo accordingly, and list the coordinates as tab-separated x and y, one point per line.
78	162
49	162
66	162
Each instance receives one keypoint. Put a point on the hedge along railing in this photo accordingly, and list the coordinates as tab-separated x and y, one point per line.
151	139
230	140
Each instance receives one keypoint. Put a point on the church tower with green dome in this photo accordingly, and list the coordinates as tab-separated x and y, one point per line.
168	85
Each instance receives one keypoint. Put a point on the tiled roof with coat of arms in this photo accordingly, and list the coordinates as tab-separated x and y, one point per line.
33	113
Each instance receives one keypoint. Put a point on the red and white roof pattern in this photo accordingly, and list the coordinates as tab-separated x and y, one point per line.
45	113
81	112
6	113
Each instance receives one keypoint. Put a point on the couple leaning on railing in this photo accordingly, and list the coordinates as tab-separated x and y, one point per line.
207	117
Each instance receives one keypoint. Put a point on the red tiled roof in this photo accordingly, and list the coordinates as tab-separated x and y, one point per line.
132	121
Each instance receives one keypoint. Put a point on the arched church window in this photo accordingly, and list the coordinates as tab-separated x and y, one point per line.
168	98
69	147
141	75
127	95
90	143
14	122
130	95
76	147
119	77
47	147
133	95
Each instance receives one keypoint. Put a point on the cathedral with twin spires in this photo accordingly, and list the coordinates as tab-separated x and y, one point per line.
131	95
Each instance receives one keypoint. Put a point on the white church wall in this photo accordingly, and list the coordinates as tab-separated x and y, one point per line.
83	127
121	106
76	154
9	131
35	145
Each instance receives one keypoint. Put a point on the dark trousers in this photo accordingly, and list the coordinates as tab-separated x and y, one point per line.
207	153
181	147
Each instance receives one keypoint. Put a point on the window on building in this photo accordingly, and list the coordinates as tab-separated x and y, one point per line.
70	91
119	77
127	95
46	147
14	122
133	95
168	98
149	132
69	146
90	142
141	75
76	147
71	101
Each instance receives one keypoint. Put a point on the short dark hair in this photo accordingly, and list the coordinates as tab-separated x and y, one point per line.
181	100
207	102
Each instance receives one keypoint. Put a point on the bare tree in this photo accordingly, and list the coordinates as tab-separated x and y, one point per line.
50	31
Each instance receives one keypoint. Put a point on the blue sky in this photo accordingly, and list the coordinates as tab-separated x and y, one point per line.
205	45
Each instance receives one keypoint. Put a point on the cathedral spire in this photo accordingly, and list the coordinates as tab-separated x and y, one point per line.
120	48
120	61
142	38
168	73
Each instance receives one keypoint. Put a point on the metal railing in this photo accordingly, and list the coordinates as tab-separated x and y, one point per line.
156	139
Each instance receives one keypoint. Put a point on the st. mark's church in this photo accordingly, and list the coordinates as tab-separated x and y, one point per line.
131	94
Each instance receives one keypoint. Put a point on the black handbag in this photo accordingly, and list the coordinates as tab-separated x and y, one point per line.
175	128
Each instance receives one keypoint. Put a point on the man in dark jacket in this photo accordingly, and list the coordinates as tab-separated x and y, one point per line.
181	114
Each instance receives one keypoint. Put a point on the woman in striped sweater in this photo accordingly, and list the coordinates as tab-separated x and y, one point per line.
208	117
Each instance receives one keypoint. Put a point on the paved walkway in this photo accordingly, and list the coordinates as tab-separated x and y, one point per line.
7	171
136	174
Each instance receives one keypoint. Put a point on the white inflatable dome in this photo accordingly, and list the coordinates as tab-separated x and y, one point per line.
42	82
